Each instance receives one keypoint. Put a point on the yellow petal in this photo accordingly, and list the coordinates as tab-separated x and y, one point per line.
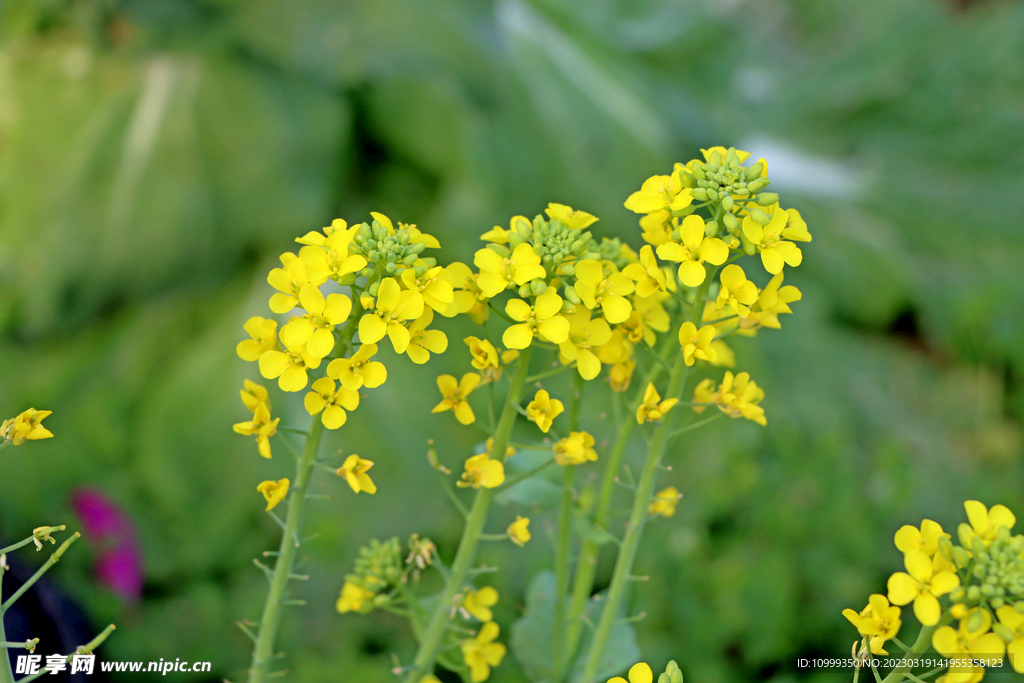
515	337
927	609
902	588
371	329
640	673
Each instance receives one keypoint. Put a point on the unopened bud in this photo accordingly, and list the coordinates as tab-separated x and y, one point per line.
1004	633
538	286
570	294
698	172
686	179
566	269
758	185
767	198
748	246
754	172
975	620
525	291
946	548
731	224
514	240
410	259
699	193
712	194
500	249
711	228
568	307
965	533
727	202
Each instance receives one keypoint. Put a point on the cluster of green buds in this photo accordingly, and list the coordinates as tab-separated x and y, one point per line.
998	569
388	254
672	674
557	245
378	567
611	249
729	187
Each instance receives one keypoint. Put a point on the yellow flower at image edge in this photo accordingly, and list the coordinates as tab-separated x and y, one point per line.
638	673
354	598
985	522
1014	621
479	603
26	426
922	585
481	653
455	393
355	472
261	426
964	644
519	531
274	492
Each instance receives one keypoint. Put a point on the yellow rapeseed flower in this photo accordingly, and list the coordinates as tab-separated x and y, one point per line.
468	298
648	275
253	394
261	426
543	410
264	338
432	285
274	492
481	653
519	531
289	366
665	502
575	449
479	602
332	402
482	471
697	343
498	272
289	280
355	472
585	335
878	620
571	218
600	285
423	342
392	306
354	598
540	320
455	393
694	249
922	585
925	539
333	255
359	371
27	426
1014	621
985	522
660	195
736	291
963	644
621	374
638	673
768	239
653	408
738	396
484	354
315	329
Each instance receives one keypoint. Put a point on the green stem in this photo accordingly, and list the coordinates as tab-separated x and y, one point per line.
464	556
42	570
586	567
562	552
45	531
86	649
271	619
634	529
6	674
923	642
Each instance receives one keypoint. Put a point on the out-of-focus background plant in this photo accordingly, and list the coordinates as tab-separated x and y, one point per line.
157	156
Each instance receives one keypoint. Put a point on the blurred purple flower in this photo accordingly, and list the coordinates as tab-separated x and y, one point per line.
118	556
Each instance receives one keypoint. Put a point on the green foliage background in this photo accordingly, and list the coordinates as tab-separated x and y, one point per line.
157	156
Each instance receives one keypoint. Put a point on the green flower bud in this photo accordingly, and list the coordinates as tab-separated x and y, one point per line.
731	224
767	198
1004	633
713	185
759	217
566	269
347	279
946	548
974	620
382	600
417	248
987	591
698	172
568	308
372	289
978	548
712	195
390	268
525	291
373	256
569	293
367	272
699	193
410	259
711	228
973	594
538	286
754	172
429	262
997	602
748	246
716	159
686	179
964	532
1003	534
958	594
758	185
727	203
978	571
500	249
591	256
703	184
673	672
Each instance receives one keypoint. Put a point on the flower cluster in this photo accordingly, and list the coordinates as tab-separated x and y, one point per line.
978	583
